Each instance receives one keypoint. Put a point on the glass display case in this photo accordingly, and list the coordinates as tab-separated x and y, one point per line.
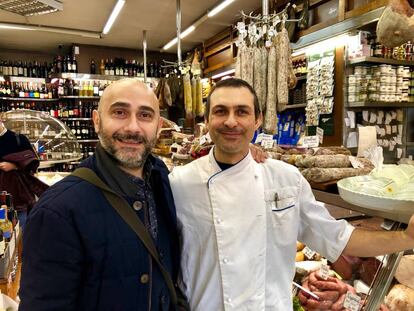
51	138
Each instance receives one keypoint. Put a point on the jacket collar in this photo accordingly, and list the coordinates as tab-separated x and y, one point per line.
215	171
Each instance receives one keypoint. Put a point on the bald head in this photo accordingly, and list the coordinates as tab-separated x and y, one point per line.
127	123
118	89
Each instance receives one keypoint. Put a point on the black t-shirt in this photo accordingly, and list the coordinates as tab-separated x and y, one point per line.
9	143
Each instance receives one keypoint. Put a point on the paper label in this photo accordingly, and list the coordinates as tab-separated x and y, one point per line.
267	143
319	133
203	140
177	128
352	302
310	141
308	252
324	271
355	162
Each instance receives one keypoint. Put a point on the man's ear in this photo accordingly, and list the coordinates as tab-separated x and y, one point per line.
160	123
259	121
96	121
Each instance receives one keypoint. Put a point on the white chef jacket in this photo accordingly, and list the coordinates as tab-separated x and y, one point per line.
239	229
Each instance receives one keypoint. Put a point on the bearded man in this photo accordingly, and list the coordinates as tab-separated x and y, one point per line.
79	254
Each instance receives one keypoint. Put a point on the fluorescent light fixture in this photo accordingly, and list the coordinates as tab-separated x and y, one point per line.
220	7
170	44
8	26
184	34
66	31
222	74
30	8
115	12
325	45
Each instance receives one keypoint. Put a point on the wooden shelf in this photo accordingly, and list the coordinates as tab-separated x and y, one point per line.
379	104
379	60
295	106
301	77
29	99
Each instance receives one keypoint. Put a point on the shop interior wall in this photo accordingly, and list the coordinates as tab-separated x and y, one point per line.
96	53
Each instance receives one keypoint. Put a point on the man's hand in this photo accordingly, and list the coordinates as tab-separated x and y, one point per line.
258	154
7	166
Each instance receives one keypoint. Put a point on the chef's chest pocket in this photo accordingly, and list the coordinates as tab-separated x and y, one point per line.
282	205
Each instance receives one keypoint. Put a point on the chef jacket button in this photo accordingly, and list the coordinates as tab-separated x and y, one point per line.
225	260
229	300
137	205
256	177
219	220
144	278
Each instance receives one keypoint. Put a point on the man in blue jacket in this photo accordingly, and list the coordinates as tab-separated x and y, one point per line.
79	254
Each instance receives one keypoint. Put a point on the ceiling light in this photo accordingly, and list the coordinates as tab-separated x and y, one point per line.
222	74
115	12
220	7
170	44
66	31
184	34
11	26
32	7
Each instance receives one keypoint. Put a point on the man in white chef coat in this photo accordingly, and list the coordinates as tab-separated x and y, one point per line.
240	220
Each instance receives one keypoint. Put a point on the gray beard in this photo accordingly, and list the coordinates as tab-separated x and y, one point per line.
126	161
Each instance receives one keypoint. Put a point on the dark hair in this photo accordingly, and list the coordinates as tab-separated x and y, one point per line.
235	83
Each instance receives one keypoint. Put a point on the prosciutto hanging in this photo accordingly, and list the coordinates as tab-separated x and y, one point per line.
396	24
270	119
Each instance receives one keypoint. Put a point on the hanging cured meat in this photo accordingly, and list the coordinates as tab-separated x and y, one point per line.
193	95
270	120
247	64
199	98
282	67
188	100
396	24
238	67
260	75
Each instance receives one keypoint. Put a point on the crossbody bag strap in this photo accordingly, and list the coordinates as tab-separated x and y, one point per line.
129	216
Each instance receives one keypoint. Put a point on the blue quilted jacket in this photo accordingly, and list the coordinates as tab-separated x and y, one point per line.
78	253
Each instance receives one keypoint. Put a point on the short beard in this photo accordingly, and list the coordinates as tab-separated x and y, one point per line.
127	161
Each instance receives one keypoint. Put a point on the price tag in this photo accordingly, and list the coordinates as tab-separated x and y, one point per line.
319	133
355	162
324	271
308	252
310	141
203	140
208	137
267	143
177	128
352	302
263	136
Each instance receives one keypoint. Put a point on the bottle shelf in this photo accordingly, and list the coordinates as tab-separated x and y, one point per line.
75	119
87	76
379	60
22	79
80	97
29	99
